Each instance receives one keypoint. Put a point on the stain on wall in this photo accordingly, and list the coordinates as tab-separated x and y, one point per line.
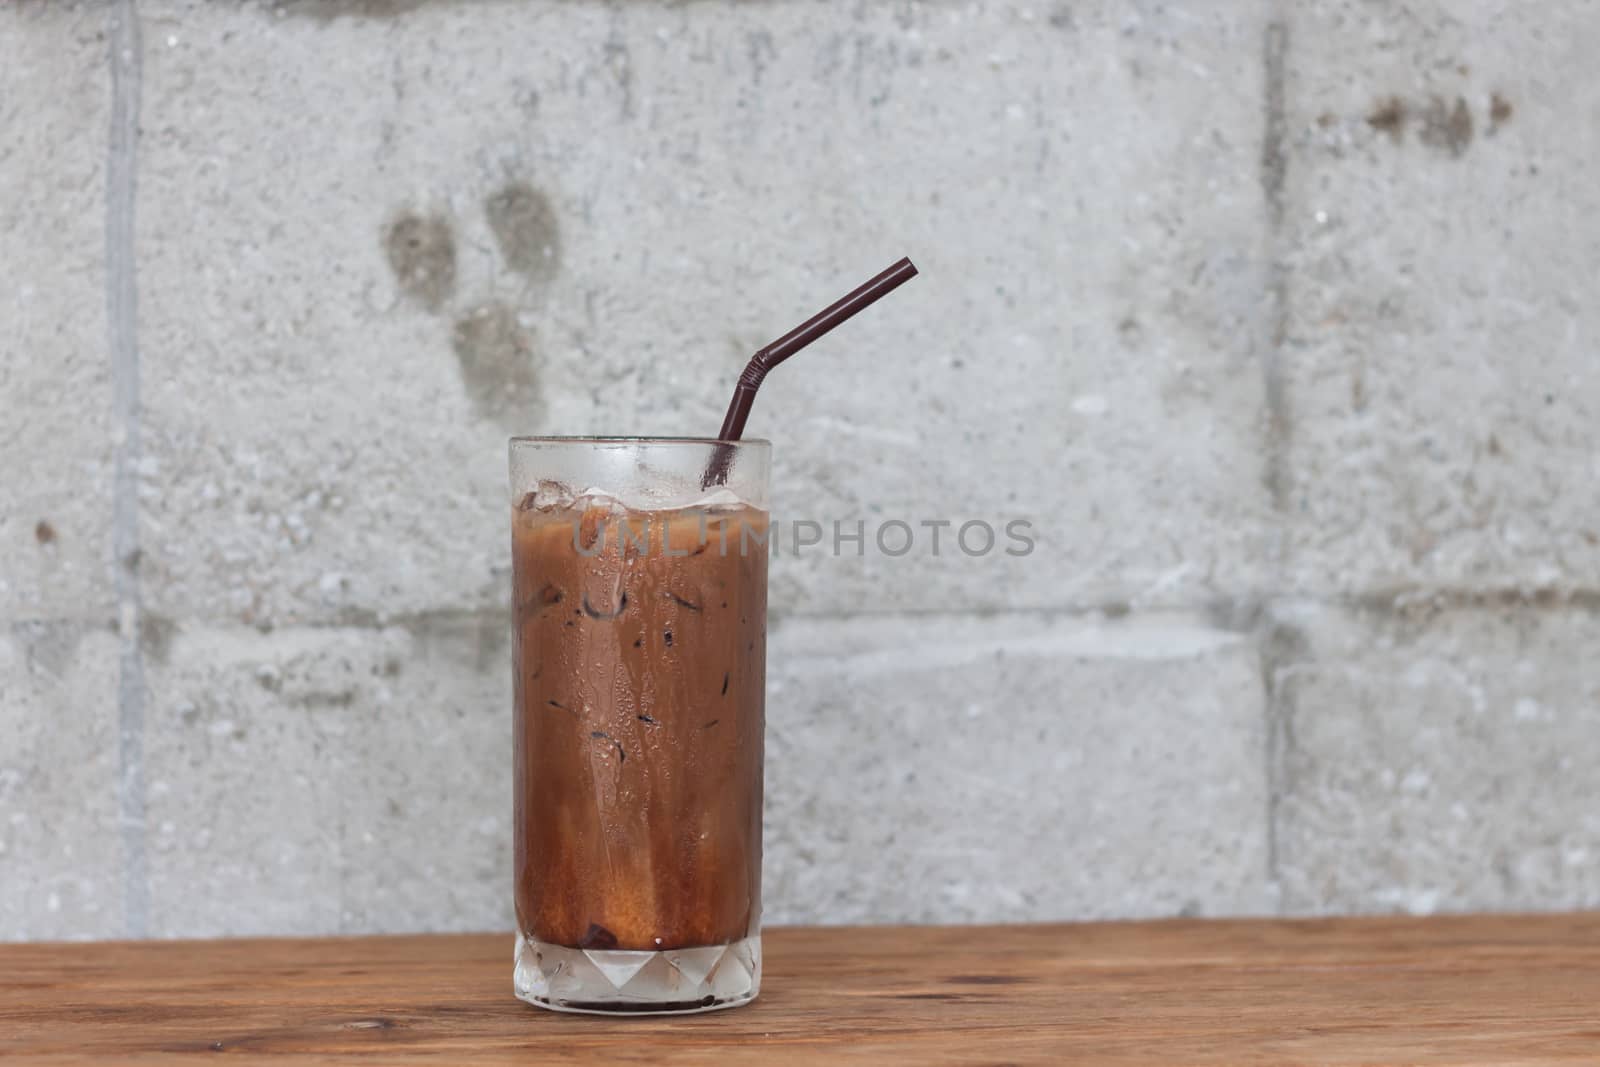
422	254
493	345
1500	110
1444	124
496	358
524	226
1389	116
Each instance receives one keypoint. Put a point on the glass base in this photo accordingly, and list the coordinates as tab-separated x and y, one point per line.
616	982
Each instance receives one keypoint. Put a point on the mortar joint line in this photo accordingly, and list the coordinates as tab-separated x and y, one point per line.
1274	178
126	64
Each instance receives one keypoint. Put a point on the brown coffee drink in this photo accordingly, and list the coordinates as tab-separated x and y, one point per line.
640	684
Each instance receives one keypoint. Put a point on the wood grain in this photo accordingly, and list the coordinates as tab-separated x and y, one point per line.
1500	990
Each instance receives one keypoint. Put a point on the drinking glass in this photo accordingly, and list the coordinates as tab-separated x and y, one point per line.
640	668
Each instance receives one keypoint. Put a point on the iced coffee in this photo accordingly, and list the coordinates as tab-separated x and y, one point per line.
640	652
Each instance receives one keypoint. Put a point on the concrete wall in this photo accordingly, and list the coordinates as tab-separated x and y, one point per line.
1275	319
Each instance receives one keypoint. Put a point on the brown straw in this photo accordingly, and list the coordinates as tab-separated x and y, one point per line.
744	394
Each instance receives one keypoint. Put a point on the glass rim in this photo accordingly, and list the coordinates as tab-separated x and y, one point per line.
582	439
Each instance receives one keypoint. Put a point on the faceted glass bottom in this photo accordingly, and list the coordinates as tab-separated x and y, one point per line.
613	982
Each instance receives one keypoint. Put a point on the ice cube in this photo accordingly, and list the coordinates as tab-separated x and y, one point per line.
551	496
718	500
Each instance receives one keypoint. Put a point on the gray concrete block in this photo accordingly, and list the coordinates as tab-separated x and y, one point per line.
61	861
427	837
945	769
1440	353
55	385
318	780
379	245
245	783
1439	760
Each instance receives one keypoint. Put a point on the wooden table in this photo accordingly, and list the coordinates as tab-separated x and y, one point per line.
1452	990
